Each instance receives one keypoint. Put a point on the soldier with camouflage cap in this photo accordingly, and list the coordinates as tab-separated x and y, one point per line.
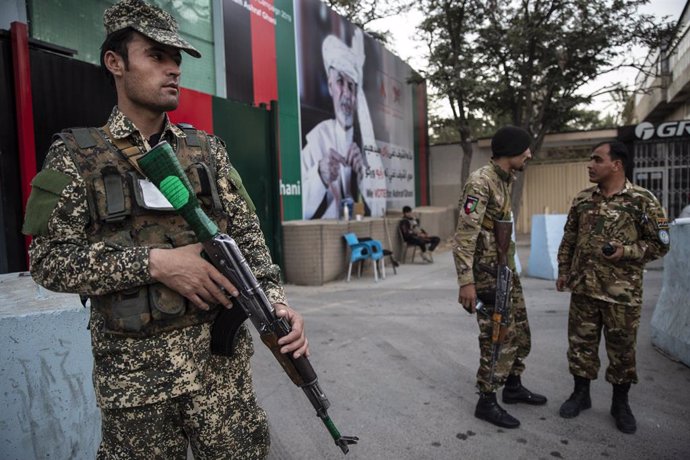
606	283
100	231
486	198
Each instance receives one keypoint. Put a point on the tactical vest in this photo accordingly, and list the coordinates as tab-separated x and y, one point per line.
121	216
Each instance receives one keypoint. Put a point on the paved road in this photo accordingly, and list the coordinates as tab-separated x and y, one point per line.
397	360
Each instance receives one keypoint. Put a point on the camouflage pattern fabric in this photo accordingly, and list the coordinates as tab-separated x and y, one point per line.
485	198
634	218
147	19
586	319
221	419
136	372
514	350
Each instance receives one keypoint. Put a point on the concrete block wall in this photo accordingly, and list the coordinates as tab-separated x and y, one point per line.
316	253
438	220
671	319
302	252
47	408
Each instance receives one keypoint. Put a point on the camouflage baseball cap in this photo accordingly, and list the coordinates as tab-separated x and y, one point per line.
156	24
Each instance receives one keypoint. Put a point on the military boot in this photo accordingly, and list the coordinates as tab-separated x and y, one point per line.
514	392
620	409
489	410
579	400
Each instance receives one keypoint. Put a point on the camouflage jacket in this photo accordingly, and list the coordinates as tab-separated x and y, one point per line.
634	218
130	372
485	198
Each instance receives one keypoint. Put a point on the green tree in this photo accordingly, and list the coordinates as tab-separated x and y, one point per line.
526	61
363	12
449	30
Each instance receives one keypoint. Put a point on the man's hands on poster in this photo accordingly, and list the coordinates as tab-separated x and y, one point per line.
329	166
355	160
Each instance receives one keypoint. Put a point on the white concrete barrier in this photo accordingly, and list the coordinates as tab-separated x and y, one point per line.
671	319
547	233
47	402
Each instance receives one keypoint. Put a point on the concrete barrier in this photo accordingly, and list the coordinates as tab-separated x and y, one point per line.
48	407
671	319
547	233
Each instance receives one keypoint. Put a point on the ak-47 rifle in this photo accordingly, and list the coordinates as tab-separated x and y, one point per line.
163	169
500	318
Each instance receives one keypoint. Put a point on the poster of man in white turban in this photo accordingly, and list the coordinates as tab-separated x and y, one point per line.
356	118
337	166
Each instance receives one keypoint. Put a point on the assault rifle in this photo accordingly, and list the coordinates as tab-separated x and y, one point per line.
164	170
500	318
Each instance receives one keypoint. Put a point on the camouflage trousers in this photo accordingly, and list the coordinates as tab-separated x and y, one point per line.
513	351
586	319
223	421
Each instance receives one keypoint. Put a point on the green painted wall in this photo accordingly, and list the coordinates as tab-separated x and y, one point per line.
289	142
247	132
78	24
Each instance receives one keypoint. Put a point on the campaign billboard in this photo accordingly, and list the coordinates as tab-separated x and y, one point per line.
352	116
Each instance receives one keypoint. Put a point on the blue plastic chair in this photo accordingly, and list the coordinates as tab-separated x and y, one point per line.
360	251
377	254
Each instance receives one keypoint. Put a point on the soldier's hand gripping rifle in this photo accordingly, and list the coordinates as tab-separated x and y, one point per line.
500	319
164	170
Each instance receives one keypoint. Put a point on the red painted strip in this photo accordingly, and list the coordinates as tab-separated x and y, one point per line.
195	108
19	35
264	52
423	161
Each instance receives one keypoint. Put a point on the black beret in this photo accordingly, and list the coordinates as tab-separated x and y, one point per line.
510	141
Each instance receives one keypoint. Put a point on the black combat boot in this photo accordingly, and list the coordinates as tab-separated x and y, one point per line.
489	410
514	392
620	409
579	400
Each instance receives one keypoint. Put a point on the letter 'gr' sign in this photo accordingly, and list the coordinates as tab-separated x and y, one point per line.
646	130
175	191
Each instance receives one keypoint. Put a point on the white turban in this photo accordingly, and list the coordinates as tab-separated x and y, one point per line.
341	57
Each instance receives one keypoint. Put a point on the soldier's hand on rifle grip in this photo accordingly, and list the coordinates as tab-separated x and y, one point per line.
184	271
296	341
468	298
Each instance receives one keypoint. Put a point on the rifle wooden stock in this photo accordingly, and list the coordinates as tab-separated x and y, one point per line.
503	232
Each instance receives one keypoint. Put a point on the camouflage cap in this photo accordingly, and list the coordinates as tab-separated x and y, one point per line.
156	24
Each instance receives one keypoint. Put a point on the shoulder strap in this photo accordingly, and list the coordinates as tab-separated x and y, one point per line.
130	151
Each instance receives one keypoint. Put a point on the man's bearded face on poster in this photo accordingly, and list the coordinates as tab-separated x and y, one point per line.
343	90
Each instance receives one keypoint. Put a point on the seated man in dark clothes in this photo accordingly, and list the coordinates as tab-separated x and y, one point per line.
414	234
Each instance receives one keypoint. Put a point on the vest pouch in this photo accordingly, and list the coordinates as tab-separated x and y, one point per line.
112	196
203	183
124	312
165	303
183	238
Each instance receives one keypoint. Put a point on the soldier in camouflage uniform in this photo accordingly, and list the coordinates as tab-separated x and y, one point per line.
486	198
100	231
606	283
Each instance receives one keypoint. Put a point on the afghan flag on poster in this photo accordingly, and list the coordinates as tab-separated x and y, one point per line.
250	50
260	68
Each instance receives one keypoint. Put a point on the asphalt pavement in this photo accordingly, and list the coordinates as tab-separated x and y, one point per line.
397	360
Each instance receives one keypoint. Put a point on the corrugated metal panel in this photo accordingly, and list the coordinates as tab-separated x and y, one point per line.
550	189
